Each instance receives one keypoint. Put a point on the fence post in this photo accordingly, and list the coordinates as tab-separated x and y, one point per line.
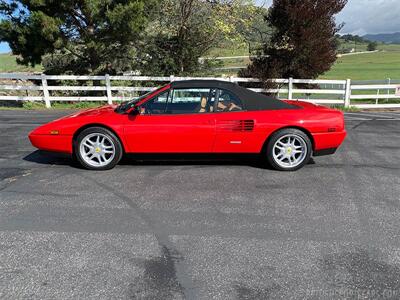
290	93
377	99
388	91
108	87
347	94
46	95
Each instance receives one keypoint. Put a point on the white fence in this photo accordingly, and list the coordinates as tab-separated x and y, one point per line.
47	88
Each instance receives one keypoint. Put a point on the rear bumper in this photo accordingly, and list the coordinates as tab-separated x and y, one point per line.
327	143
324	152
56	143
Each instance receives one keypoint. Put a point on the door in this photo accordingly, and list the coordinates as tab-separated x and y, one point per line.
235	127
175	121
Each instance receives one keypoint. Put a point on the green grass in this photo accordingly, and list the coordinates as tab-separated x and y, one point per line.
389	47
230	49
9	64
345	109
370	66
359	47
54	105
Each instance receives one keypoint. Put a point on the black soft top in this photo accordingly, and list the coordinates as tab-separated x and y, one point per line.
251	100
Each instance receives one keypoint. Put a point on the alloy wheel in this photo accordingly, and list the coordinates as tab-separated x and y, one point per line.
289	151
97	149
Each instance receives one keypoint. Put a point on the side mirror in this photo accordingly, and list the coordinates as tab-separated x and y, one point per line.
135	111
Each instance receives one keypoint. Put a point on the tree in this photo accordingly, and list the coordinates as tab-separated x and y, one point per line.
80	36
372	46
353	38
186	30
303	42
256	31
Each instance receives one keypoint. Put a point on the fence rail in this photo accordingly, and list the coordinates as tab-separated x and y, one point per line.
48	88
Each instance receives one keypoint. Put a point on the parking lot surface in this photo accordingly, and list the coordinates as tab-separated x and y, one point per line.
201	229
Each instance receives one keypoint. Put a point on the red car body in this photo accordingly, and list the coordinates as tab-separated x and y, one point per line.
219	132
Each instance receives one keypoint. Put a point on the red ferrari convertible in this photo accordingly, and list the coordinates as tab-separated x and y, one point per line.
198	116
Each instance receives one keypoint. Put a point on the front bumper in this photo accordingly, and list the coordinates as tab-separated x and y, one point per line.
56	143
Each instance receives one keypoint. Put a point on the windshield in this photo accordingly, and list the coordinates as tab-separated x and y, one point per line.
125	106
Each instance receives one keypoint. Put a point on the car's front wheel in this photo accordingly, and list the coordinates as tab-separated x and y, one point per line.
289	150
97	148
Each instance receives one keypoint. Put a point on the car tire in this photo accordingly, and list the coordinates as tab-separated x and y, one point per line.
288	150
97	148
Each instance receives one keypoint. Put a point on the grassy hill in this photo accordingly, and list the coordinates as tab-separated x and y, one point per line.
370	66
8	64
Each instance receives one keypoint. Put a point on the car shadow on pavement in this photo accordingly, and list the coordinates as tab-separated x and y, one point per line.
194	160
51	158
249	160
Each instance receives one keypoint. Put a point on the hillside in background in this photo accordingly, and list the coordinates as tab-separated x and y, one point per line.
371	66
367	66
389	38
8	64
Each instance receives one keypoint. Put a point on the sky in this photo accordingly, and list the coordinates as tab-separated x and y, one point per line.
366	16
4	48
359	16
370	16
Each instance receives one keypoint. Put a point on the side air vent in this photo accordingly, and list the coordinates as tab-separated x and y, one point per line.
236	125
246	125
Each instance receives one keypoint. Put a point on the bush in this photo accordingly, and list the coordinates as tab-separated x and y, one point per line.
372	46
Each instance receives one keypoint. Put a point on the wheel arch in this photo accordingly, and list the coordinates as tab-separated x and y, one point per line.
304	130
80	129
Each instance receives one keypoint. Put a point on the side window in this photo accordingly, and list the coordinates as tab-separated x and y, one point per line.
227	101
189	101
156	105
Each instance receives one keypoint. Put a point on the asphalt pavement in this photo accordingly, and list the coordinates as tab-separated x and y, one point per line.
201	229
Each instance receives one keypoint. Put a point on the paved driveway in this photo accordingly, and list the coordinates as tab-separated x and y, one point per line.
201	230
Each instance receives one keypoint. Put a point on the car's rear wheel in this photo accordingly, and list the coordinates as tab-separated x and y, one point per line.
289	150
97	148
